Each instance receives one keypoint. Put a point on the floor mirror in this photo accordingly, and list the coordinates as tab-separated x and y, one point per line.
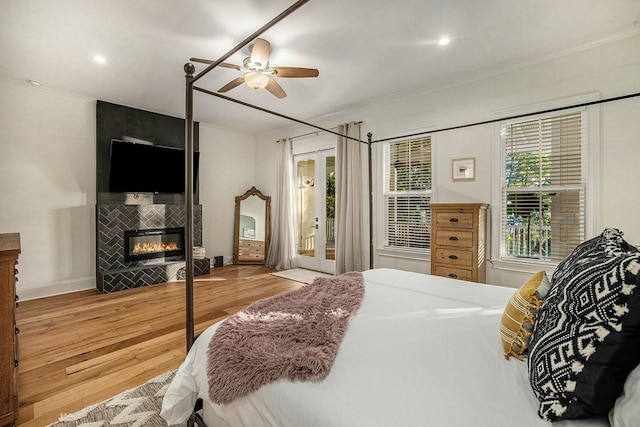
251	243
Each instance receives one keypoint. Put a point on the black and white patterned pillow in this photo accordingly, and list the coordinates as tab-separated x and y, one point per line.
587	336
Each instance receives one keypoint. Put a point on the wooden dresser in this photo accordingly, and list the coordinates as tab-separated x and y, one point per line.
251	251
9	251
458	241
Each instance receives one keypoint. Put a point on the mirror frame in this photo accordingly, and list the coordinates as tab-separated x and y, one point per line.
253	191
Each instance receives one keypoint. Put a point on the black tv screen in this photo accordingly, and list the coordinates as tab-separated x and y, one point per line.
142	168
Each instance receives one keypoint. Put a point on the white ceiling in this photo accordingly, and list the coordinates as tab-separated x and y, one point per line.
364	49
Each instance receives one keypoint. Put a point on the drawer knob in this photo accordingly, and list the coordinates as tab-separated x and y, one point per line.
453	256
15	363
17	331
453	219
454	238
453	275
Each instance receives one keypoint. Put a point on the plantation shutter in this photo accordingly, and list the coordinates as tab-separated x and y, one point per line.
543	193
407	191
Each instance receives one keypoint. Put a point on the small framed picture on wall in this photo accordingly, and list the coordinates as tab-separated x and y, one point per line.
463	169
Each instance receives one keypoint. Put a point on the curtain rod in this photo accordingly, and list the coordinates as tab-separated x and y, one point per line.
315	132
518	116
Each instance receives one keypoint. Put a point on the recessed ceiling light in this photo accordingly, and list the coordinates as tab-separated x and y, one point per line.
100	59
444	41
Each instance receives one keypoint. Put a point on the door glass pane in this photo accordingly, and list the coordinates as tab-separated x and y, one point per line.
306	207
330	167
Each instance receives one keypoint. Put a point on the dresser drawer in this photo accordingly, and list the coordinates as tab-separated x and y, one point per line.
453	272
454	220
252	248
454	257
256	253
460	239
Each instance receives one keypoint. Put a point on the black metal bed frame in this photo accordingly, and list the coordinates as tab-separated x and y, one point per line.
189	68
191	79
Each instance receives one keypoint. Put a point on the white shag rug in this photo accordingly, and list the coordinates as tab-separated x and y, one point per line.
301	275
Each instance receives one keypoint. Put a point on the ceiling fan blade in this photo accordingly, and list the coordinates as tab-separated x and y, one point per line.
295	72
208	61
232	84
275	88
260	52
227	65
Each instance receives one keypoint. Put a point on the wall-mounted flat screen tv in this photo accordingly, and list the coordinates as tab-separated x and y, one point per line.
143	168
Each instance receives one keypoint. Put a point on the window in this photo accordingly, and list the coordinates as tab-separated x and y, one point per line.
407	193
543	186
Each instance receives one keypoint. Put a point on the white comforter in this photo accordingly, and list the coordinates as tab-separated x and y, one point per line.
422	351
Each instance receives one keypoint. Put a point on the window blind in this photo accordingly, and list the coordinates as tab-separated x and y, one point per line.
407	192
543	193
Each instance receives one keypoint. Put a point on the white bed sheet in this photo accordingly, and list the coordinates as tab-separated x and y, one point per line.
421	351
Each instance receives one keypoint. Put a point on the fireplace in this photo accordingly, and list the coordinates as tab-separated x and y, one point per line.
147	244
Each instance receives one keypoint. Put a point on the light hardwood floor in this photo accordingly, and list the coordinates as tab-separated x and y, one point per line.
82	348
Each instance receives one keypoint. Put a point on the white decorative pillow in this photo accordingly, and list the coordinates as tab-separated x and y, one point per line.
626	412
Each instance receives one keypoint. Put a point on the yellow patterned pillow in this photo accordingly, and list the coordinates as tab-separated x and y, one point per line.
520	315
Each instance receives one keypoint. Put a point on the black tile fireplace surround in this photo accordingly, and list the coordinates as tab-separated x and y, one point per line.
118	212
116	270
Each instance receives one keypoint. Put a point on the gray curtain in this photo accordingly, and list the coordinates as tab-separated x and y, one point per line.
349	193
282	248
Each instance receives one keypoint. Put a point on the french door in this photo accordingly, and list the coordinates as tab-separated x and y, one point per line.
315	194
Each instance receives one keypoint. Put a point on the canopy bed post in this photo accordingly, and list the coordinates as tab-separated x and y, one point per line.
369	142
189	69
188	130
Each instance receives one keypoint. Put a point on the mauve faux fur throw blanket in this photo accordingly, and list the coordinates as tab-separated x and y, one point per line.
292	336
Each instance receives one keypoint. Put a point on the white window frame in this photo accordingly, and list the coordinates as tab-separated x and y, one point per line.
382	246
590	171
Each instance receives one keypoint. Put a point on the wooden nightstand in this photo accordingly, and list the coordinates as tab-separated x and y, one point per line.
458	241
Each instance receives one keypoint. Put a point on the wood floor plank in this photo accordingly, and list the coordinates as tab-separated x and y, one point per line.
81	348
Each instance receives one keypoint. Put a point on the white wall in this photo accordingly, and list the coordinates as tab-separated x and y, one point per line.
266	152
227	170
612	70
47	186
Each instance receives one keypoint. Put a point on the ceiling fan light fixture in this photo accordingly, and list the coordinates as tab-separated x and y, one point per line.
256	80
258	74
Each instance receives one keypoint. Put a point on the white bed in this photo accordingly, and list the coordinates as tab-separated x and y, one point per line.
421	351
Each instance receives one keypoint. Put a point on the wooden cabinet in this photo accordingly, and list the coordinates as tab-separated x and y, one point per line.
458	241
251	251
9	251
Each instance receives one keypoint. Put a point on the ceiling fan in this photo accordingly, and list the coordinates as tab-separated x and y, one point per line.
258	74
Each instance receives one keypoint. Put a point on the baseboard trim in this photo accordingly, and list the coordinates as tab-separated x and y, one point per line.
43	290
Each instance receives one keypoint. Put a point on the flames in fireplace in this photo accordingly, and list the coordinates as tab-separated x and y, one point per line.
147	244
145	248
